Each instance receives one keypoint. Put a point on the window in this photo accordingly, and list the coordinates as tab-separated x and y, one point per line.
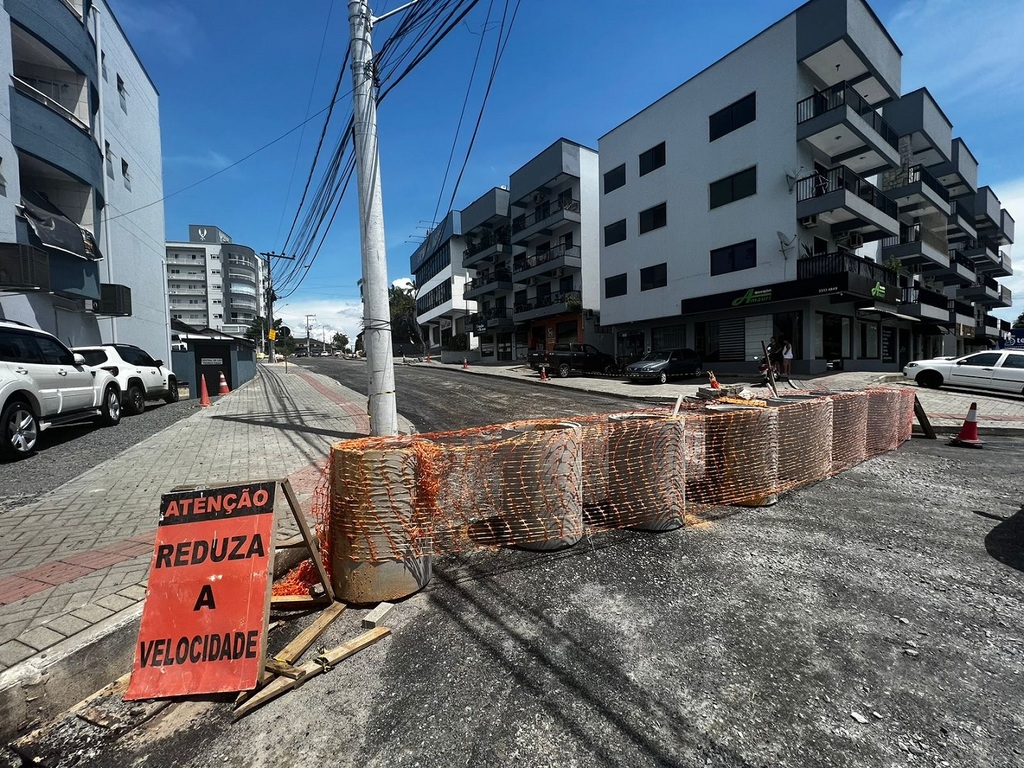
736	115
103	64
615	178
653	218
615	233
108	153
985	358
1013	361
126	174
654	277
122	92
732	188
652	158
733	258
615	286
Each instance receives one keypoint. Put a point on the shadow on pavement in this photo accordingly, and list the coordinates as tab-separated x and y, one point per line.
273	420
1005	542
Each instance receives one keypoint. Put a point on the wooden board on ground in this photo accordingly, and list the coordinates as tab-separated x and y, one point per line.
922	419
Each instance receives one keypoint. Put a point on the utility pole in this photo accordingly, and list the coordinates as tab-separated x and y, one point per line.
308	318
271	296
380	364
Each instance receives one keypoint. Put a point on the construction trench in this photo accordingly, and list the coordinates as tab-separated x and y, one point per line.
389	505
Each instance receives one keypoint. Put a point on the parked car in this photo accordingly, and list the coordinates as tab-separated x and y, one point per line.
998	370
140	377
43	384
665	364
566	357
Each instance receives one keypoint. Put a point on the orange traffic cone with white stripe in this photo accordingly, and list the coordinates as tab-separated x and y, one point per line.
465	364
223	390
968	436
204	396
543	373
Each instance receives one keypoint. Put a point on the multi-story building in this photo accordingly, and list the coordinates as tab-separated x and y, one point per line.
81	241
487	231
740	206
215	283
442	310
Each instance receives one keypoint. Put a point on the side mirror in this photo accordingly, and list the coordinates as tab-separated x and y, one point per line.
79	360
959	362
158	363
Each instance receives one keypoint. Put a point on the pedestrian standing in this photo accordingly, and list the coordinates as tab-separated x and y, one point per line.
787	358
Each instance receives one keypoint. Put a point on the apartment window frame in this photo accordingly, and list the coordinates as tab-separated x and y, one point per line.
616	285
654	276
122	93
727	258
651	159
655	217
126	174
615	232
615	178
732	117
728	190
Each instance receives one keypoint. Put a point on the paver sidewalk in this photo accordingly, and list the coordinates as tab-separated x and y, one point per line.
81	553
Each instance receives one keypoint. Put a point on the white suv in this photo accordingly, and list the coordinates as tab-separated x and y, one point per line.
42	384
140	376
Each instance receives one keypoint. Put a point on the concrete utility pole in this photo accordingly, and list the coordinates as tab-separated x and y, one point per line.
270	299
380	365
308	318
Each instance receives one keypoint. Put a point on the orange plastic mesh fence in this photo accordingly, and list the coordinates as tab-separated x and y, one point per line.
544	484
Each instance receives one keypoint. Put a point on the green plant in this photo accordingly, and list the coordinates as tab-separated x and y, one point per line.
458	343
574	304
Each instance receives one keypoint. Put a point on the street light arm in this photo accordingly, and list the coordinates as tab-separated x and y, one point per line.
399	9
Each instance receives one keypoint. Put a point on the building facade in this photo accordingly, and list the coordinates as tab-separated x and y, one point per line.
215	283
81	241
770	195
442	310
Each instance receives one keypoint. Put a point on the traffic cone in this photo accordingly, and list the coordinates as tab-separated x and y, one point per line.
543	373
428	358
465	364
223	385
713	381
968	436
204	396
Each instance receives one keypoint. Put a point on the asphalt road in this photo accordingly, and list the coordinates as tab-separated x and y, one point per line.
873	619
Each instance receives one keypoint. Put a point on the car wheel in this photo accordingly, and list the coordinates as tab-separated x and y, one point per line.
110	408
19	430
172	391
663	378
698	371
929	379
563	371
135	399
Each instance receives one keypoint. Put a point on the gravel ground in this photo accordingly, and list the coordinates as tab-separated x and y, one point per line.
65	452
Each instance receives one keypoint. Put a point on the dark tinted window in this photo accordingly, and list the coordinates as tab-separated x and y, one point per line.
735	187
615	233
736	115
985	358
615	286
652	158
19	348
94	356
653	277
615	178
733	258
1013	361
653	218
54	352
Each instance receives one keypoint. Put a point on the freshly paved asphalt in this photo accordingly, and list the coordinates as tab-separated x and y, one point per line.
74	563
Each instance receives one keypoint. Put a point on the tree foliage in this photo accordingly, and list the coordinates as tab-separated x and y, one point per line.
340	341
1019	322
404	328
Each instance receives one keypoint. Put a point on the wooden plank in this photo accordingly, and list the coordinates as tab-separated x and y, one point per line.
377	615
297	602
298	540
293	651
285	670
312	668
922	419
314	546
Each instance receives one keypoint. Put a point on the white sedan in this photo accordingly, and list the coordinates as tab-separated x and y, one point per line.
999	370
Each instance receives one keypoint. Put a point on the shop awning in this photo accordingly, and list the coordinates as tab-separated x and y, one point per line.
881	309
50	228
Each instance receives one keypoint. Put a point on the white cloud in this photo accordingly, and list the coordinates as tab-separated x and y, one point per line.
331	316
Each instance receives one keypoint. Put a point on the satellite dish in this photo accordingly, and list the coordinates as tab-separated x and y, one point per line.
785	243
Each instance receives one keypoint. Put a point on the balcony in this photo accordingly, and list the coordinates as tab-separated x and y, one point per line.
1006	227
987	326
918	247
960	270
984	253
925	304
987	214
247	277
543	219
486	247
986	291
558	303
23	268
499	280
1005	296
41	132
916	191
960	174
863	275
495	318
960	224
553	261
842	125
961	313
847	203
33	92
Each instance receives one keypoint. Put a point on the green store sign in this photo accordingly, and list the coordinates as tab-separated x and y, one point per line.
878	291
753	296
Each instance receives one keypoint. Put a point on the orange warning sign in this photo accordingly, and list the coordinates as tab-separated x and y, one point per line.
204	623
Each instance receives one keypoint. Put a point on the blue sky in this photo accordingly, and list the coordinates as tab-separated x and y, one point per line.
235	75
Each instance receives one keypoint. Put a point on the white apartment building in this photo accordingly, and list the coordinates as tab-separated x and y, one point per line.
81	242
215	283
442	310
738	206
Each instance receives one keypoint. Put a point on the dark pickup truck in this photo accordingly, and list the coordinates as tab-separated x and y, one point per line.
564	358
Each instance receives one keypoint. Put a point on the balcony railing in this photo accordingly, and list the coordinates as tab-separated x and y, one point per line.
498	276
918	295
33	93
840	95
545	211
915	233
1006	295
961	308
559	297
494	313
839	262
499	238
901	178
542	258
957	208
840	177
959	258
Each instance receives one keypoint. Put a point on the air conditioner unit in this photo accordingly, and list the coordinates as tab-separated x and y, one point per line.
809	221
856	240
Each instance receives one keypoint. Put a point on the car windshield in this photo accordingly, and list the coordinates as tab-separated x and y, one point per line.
655	357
